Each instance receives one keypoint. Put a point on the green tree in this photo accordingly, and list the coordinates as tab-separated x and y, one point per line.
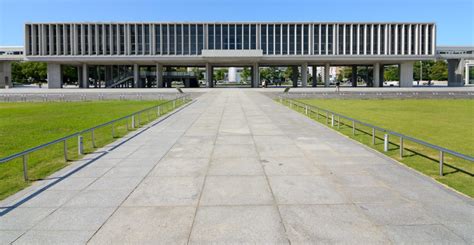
199	72
391	73
219	74
439	71
28	71
69	74
246	74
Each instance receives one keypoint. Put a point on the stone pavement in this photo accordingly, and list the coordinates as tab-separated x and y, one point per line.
236	167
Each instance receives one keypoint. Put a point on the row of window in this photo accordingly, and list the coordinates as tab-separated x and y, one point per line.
191	39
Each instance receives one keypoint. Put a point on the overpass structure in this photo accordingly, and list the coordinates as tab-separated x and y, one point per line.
130	54
460	64
7	56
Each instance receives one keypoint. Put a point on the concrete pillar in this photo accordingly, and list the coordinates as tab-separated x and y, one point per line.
326	74
406	74
382	74
85	76
304	75
376	76
315	76
136	76
5	74
79	76
54	75
209	75
294	76
159	75
354	76
455	73
255	76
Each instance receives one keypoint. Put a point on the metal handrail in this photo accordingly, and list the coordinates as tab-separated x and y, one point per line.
24	153
311	108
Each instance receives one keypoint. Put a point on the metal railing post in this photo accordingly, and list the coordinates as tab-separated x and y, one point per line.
80	145
373	136
385	143
441	162
338	122
25	167
353	128
113	130
332	120
65	150
93	138
401	147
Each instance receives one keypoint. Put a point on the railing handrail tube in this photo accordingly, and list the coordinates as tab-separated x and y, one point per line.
33	149
436	147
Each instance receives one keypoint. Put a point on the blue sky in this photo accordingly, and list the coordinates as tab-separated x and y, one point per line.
454	18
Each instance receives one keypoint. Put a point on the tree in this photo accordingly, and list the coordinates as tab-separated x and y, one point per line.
439	71
69	74
391	73
198	72
219	74
245	74
28	71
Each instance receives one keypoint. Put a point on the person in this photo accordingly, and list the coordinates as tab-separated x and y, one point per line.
338	84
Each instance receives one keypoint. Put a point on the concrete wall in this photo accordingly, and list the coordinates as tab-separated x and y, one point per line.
406	74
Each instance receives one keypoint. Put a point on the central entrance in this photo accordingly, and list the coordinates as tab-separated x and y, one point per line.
232	76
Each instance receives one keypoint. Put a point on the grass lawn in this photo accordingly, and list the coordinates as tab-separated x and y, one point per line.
26	125
444	122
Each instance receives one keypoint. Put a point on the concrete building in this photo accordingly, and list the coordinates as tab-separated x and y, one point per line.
7	56
122	50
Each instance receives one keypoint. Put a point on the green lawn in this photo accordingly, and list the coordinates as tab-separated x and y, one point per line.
444	122
25	125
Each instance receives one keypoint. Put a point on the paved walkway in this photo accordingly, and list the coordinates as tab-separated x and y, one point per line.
235	167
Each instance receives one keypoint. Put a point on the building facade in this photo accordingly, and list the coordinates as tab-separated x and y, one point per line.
301	44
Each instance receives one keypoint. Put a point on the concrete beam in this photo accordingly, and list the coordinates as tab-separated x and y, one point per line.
406	74
304	75
5	74
54	75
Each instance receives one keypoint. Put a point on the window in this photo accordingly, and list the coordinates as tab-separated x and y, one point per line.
210	37
86	40
323	39
369	40
186	39
316	39
382	39
399	39
246	39
292	39
101	37
172	38
330	39
225	36
278	39
121	33
93	36
354	39
133	40
348	39
179	41
430	39
376	39
164	34
218	37
306	39
193	39
270	39
341	39
361	39
253	37
147	39
392	39
413	43
285	39
406	38
239	37
232	37
157	39
107	39
263	34
200	38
